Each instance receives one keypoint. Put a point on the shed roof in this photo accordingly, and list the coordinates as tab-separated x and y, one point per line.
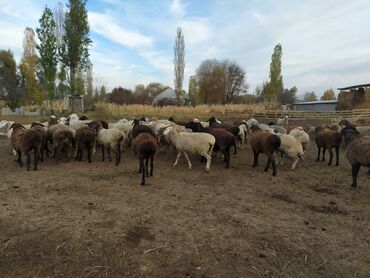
167	94
354	87
334	101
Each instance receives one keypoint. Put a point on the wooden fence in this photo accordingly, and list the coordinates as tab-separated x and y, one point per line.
313	115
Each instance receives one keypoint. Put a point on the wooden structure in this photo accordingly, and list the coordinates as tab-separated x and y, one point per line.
352	97
322	105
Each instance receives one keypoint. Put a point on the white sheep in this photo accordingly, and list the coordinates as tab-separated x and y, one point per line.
302	136
243	131
184	142
111	139
283	120
291	147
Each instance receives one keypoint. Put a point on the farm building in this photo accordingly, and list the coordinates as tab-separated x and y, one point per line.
323	105
169	97
354	97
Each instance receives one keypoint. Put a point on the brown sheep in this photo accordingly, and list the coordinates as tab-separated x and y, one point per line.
328	139
39	127
228	127
145	147
139	128
63	140
357	152
23	141
86	137
264	142
224	139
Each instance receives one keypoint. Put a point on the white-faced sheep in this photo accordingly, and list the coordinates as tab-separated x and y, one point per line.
302	136
265	142
328	139
111	139
145	147
198	143
23	141
291	147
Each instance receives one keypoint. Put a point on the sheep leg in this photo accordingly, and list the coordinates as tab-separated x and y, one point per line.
187	158
337	155
55	151
209	159
103	152
368	172
235	148
268	164
226	154
142	166
151	165
28	160
109	157
118	154
355	170
177	159
323	153
89	150
20	163
255	158
331	156
318	153
294	163
146	167
273	162
36	152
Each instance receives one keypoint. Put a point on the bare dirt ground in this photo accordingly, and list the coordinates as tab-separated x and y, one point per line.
94	220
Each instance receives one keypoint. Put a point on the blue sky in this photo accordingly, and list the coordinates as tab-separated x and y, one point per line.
326	44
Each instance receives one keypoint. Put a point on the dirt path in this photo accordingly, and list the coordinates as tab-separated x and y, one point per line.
94	220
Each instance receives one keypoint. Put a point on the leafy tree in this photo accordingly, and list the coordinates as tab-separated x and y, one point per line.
30	86
48	50
153	89
89	86
211	80
328	95
310	96
244	99
276	80
103	93
193	90
235	80
122	96
288	96
179	61
62	87
8	78
75	43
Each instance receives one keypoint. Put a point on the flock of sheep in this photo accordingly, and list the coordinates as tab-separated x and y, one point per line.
62	136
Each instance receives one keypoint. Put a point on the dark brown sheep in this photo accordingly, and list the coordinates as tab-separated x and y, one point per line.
224	139
145	147
139	128
23	141
264	142
86	138
228	127
40	128
328	139
357	151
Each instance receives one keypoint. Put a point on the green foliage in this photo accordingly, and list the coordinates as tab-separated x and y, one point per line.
276	86
329	95
31	91
8	78
310	96
244	99
179	62
193	90
48	50
288	96
75	43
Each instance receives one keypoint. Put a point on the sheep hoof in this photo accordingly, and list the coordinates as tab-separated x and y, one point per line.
274	174
190	167
142	183
353	185
208	169
174	165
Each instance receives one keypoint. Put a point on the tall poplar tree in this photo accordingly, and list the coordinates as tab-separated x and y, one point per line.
179	61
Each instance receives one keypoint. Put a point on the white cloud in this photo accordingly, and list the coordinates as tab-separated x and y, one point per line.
105	26
178	8
11	38
196	30
263	19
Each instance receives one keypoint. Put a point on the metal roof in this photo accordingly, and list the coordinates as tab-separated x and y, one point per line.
167	94
334	101
354	87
